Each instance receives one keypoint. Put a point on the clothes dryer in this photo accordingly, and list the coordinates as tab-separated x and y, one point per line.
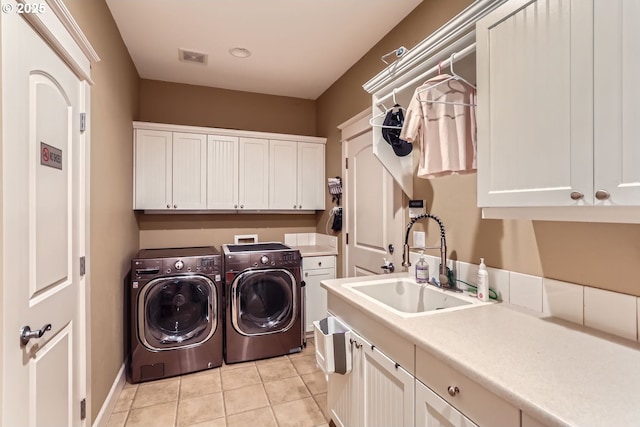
264	297
175	312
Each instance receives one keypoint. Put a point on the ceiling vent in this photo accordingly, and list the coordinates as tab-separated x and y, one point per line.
190	56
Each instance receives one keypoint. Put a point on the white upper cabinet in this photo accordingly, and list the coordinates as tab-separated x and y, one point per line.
189	171
535	104
616	95
556	123
153	153
188	168
311	178
222	172
296	175
254	173
169	170
283	174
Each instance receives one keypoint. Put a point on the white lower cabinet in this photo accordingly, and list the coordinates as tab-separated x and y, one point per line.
472	400
314	270
377	391
433	411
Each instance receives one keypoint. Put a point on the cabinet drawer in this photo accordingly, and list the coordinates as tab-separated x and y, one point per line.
311	263
474	401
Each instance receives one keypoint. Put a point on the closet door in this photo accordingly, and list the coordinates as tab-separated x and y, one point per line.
535	104
617	128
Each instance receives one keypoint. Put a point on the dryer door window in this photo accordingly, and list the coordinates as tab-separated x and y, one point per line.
264	302
177	311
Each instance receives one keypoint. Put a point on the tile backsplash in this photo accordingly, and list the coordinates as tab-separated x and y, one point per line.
607	311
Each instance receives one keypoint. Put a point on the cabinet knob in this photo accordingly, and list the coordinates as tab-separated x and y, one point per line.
602	195
235	206
241	206
300	207
453	390
320	264
175	206
168	206
294	206
576	195
306	274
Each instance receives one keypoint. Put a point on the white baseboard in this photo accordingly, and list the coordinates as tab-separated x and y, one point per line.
110	402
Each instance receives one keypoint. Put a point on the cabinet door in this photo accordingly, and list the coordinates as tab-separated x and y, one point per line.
617	128
283	174
222	172
388	391
311	178
153	164
535	104
189	171
316	296
253	192
345	393
433	411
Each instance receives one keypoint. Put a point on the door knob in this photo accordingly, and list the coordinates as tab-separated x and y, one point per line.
26	333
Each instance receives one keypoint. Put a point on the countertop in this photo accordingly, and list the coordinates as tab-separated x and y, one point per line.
561	373
316	250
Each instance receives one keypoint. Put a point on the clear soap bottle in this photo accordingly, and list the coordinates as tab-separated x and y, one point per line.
422	270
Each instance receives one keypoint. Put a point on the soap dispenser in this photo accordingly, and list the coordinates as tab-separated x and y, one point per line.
422	269
483	281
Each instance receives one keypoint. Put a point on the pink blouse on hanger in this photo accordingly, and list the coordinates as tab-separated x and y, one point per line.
444	129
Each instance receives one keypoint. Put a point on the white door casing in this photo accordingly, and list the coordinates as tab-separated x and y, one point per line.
374	214
45	78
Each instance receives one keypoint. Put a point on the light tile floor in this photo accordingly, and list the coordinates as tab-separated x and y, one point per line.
286	391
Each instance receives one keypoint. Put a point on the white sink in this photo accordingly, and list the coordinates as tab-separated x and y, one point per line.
407	298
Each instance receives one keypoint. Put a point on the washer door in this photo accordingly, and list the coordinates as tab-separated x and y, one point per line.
264	302
177	311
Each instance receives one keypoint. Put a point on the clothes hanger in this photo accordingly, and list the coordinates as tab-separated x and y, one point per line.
383	114
453	76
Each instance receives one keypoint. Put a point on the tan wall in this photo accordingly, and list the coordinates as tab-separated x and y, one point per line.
176	103
181	104
346	97
600	255
114	232
166	231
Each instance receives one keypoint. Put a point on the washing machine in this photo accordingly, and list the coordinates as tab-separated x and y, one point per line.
264	297
175	312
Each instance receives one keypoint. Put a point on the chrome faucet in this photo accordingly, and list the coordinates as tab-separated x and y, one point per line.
443	273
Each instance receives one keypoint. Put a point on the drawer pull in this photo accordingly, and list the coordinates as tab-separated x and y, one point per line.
453	390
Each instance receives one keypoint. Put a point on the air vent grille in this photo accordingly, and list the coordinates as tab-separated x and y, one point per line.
191	56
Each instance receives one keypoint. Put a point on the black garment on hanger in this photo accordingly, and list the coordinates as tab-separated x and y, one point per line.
391	128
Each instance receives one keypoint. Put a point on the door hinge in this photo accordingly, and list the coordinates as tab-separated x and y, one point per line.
83	266
346	163
83	409
83	122
347	238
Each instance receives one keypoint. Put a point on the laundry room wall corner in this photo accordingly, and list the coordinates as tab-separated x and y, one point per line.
113	229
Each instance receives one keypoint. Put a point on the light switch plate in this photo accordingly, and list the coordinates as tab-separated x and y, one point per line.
419	239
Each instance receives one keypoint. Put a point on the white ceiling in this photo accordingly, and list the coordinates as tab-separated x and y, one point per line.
299	47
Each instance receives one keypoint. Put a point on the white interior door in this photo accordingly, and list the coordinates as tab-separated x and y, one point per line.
373	206
42	213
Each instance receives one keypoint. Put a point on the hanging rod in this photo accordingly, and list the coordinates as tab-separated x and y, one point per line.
458	55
